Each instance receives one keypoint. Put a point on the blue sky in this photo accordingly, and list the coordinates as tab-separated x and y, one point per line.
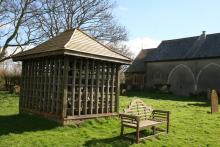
168	19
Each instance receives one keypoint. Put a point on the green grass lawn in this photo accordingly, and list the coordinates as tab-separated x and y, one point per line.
191	125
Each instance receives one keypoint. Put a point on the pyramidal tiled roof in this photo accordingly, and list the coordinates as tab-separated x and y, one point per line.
73	42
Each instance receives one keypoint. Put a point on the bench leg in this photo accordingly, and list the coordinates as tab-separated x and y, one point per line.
122	130
168	122
137	135
154	129
168	125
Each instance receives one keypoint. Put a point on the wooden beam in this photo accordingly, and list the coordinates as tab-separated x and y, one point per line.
112	86
103	85
107	89
73	85
27	84
21	100
97	87
49	75
80	88
53	75
45	67
34	81
58	68
30	87
24	84
86	87
91	88
65	86
41	85
37	86
117	88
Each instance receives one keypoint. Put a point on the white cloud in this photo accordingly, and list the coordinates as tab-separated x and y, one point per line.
135	45
122	8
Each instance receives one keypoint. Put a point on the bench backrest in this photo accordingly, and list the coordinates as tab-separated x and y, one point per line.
138	108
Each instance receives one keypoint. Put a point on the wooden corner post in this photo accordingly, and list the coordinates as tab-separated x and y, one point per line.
117	87
65	86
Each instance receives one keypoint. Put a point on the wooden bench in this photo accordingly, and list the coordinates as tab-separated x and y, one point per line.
140	116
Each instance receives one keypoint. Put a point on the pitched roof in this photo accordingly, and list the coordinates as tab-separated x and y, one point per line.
187	48
138	63
73	42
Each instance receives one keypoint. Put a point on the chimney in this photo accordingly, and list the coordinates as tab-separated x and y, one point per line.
203	35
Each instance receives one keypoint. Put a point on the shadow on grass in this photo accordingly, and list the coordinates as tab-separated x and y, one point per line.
115	142
24	123
118	141
200	104
161	96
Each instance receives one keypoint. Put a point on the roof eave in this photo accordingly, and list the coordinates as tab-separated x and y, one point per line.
72	53
93	56
37	55
186	59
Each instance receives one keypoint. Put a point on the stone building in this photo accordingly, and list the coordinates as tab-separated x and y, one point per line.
189	65
135	73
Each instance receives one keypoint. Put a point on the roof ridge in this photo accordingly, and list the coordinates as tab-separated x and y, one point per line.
103	44
189	37
45	42
179	38
68	42
149	48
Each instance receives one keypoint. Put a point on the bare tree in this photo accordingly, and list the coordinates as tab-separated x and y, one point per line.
15	26
92	16
25	22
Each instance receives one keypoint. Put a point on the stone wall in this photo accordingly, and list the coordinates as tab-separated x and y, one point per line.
134	81
184	77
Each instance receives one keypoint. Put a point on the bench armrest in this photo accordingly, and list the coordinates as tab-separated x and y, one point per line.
161	115
162	111
129	117
129	120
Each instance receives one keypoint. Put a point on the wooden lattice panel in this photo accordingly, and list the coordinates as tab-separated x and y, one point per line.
91	87
41	89
69	87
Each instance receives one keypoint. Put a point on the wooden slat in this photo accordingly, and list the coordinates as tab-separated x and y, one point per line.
97	87
73	85
50	80
103	84
30	96
112	86
107	90
45	85
65	90
117	88
24	84
41	85
22	98
33	84
80	88
53	75
58	68
92	91
27	85
37	86
86	87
